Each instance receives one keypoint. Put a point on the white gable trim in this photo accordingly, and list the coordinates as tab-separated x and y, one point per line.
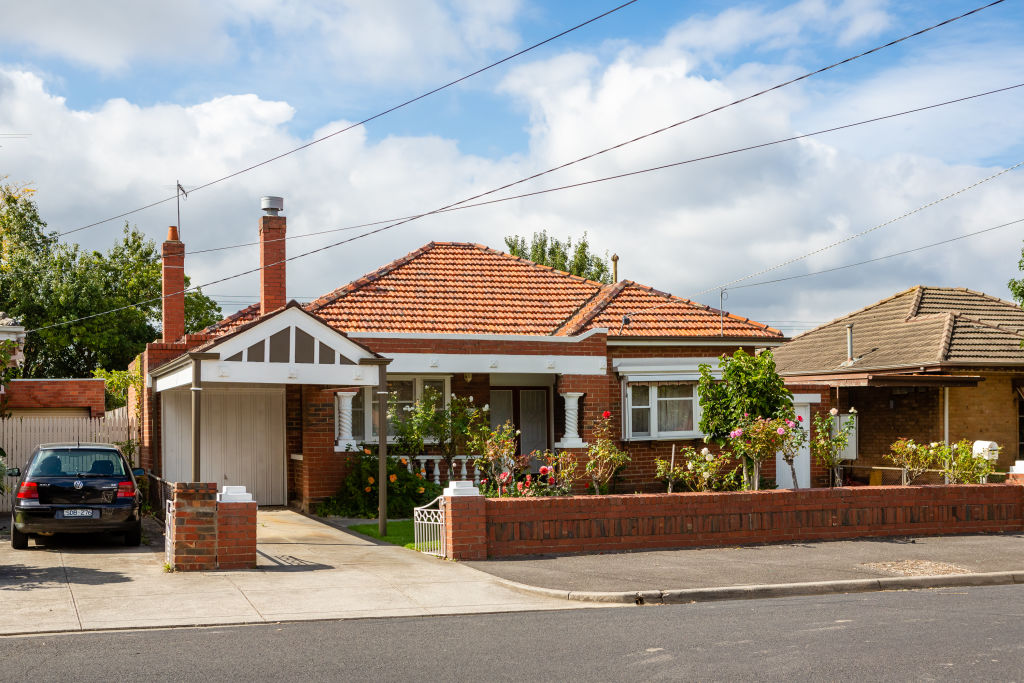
292	317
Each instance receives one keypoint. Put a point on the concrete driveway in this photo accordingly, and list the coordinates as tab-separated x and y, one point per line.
307	570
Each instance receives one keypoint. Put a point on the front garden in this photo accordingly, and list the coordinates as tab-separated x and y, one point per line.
747	416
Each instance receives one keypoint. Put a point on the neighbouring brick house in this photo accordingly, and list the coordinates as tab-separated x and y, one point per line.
46	397
288	391
928	363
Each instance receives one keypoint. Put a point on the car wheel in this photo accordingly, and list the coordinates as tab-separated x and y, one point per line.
134	537
19	540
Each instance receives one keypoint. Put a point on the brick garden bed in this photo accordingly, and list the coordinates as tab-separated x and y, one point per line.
478	527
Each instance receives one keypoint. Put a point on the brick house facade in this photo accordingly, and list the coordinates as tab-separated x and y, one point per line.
548	350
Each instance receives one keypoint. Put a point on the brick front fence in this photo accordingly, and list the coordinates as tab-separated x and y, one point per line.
206	534
478	527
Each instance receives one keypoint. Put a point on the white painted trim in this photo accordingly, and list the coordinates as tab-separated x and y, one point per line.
61	379
627	366
480	337
179	378
420	363
287	373
806	398
291	317
697	342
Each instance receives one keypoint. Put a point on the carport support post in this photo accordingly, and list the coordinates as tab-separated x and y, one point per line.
197	406
382	440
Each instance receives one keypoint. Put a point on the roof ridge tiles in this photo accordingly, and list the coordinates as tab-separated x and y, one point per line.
915	304
947	336
591	308
994	326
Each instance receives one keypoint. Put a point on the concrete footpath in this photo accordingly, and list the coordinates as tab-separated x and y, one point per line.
308	570
672	576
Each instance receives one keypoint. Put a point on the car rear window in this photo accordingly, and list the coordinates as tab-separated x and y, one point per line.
73	462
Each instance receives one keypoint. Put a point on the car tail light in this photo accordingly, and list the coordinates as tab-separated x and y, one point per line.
126	489
28	490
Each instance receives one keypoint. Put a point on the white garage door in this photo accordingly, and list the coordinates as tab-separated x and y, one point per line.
243	439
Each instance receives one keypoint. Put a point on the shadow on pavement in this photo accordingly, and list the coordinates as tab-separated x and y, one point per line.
288	563
19	577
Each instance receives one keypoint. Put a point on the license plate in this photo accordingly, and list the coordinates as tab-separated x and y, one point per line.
77	513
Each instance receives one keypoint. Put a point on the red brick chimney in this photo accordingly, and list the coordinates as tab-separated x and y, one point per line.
272	255
173	302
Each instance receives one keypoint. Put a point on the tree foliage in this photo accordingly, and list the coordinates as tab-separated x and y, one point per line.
1017	285
49	287
750	388
561	255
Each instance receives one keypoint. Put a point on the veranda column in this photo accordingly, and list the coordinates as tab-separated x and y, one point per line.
345	439
571	438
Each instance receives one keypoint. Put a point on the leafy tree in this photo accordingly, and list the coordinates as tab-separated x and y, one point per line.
549	251
45	285
1017	285
750	388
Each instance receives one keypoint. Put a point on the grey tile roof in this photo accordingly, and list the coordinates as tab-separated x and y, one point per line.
921	326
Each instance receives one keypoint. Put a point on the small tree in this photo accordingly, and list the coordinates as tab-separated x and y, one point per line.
913	458
757	439
962	466
828	442
604	457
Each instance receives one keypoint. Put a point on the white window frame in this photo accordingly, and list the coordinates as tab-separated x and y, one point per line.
368	393
655	433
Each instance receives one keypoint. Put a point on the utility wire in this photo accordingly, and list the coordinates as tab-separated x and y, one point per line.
626	174
360	123
881	258
537	175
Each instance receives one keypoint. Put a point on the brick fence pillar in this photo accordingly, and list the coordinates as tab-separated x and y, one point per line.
1015	478
465	527
236	535
192	538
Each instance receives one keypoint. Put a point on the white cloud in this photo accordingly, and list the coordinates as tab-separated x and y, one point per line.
682	230
352	41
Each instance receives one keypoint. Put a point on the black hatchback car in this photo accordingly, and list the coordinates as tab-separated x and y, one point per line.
76	488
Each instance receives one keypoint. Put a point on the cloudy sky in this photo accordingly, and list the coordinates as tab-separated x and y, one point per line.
119	99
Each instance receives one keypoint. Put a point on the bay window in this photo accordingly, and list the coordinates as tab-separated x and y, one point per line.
662	410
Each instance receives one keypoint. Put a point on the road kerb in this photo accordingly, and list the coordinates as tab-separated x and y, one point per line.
778	590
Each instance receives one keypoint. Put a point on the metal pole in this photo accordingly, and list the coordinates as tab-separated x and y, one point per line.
197	404
382	450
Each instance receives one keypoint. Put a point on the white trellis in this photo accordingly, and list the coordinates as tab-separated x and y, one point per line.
428	528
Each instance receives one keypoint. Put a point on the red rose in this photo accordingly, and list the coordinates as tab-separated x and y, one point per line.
606	414
799	418
551	481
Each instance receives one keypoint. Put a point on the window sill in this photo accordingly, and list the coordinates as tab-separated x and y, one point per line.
675	436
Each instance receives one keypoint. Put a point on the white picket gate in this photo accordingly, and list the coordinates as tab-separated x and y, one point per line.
428	528
19	436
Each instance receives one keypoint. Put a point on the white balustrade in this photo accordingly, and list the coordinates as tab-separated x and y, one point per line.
418	463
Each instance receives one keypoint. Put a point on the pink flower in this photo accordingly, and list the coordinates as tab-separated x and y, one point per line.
790	424
520	487
780	430
551	481
746	414
606	414
543	470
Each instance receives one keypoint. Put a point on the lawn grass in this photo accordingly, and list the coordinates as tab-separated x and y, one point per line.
399	533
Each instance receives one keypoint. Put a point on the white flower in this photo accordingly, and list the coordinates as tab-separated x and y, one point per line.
453	394
689	466
518	432
487	406
704	451
933	444
834	412
407	408
708	456
853	411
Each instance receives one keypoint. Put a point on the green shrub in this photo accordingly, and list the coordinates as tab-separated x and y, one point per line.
358	494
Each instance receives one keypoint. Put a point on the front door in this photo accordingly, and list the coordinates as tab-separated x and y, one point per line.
527	408
802	462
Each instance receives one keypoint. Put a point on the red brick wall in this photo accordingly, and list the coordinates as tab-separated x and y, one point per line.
236	535
525	526
56	393
465	527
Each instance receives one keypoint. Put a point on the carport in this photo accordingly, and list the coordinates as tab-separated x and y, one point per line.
222	405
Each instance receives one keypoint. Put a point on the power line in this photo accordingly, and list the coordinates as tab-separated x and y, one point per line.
364	121
482	194
628	174
882	258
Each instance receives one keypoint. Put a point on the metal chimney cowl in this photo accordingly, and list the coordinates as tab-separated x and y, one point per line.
272	205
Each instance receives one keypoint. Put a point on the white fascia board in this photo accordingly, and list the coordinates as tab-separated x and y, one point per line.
806	398
612	341
628	366
179	378
287	318
419	363
525	338
287	373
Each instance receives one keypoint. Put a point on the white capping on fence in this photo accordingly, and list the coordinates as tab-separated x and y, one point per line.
461	488
234	494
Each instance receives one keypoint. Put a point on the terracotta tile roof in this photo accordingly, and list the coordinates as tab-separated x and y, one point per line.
657	314
455	287
922	326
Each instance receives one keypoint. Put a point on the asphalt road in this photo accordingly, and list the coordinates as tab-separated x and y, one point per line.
943	634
